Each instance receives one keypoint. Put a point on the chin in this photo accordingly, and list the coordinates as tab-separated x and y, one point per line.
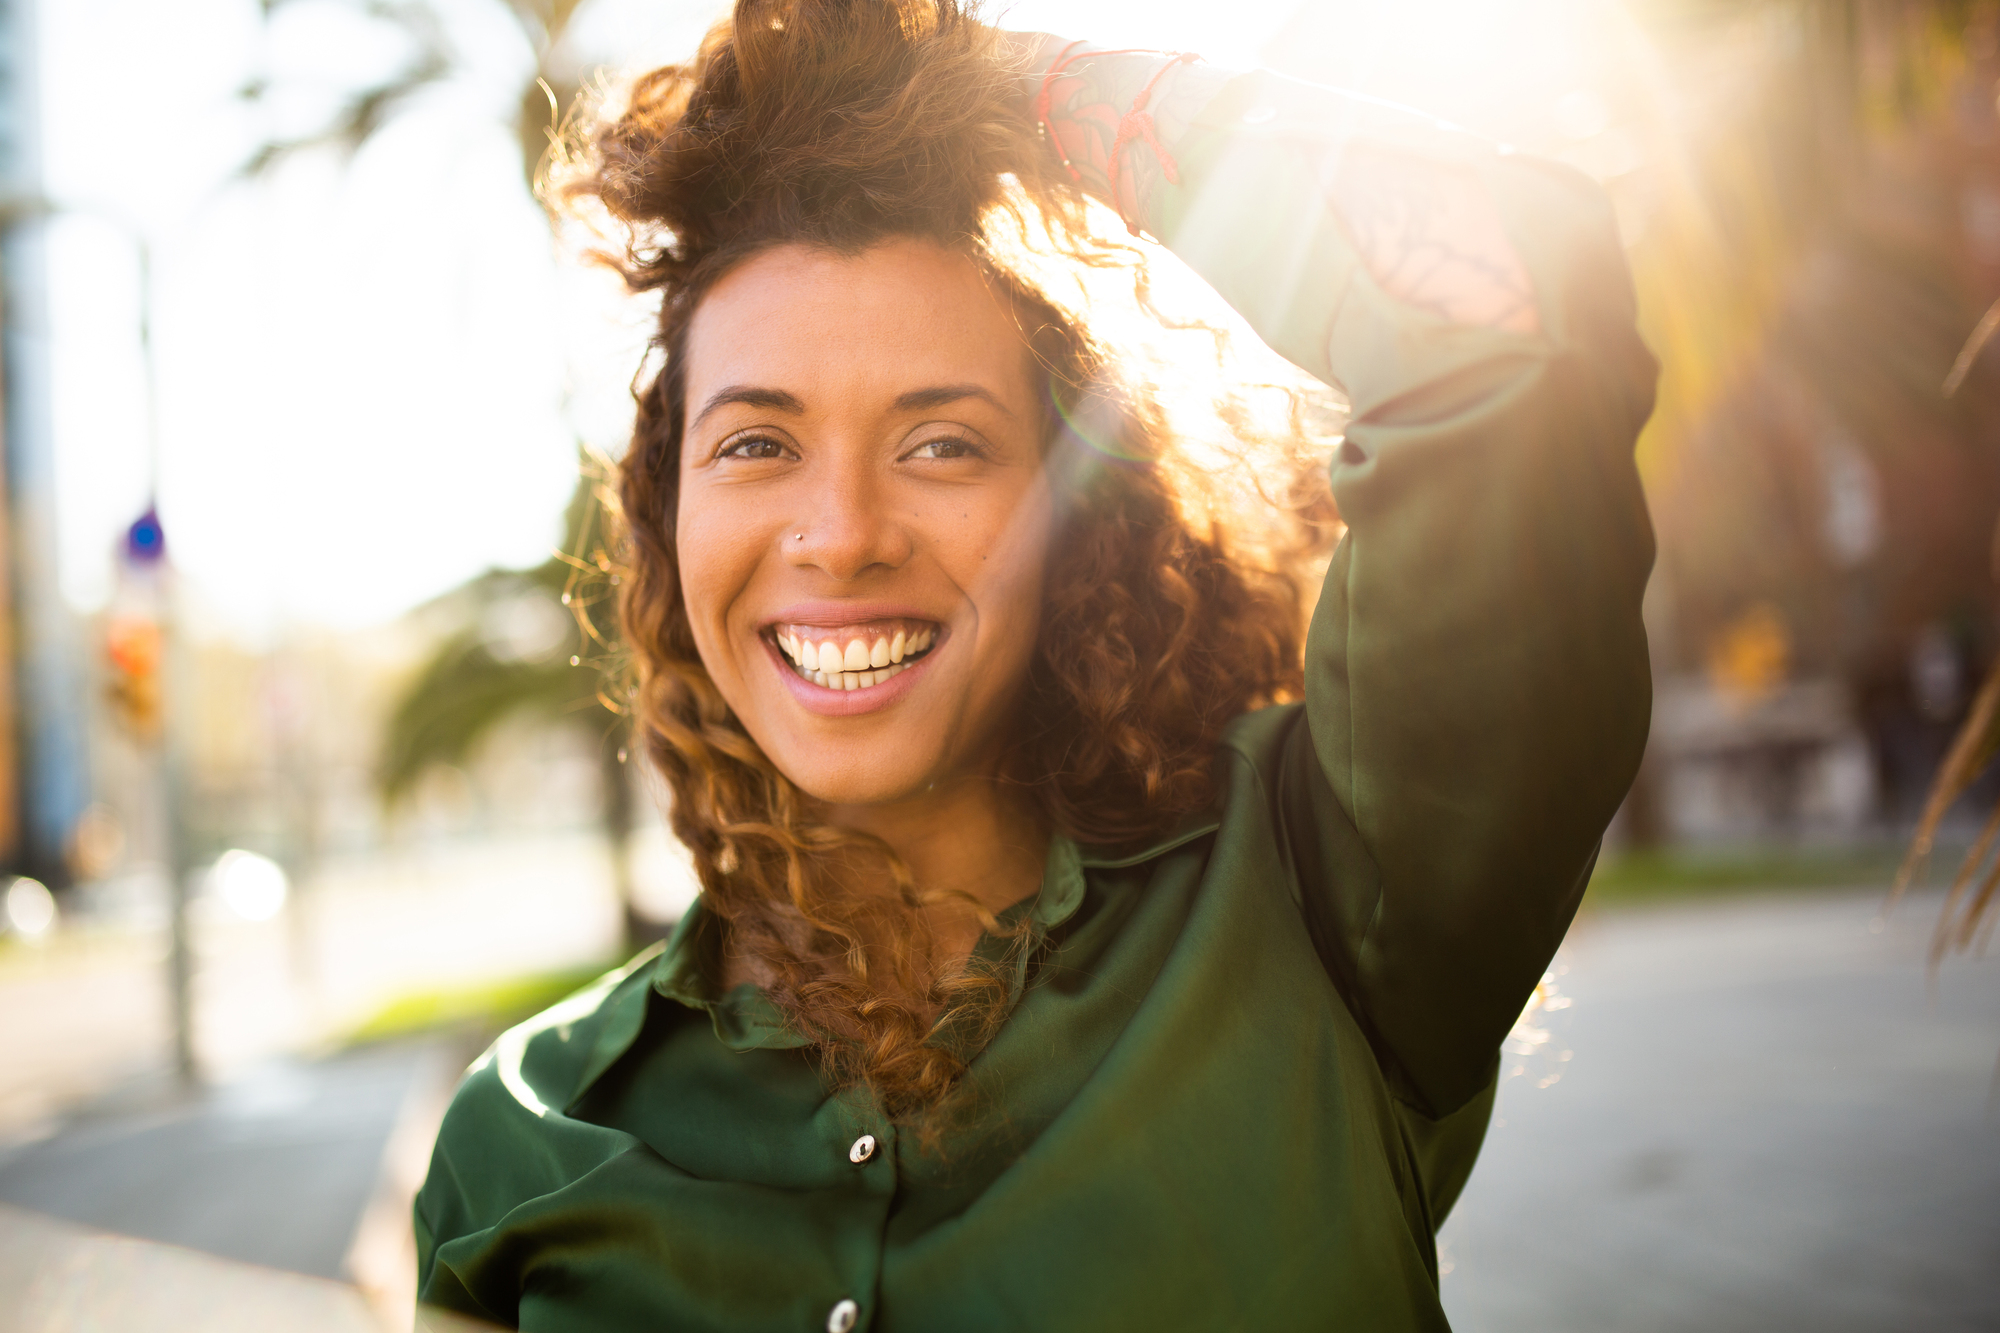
849	779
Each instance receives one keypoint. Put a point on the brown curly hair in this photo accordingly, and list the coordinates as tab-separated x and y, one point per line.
840	124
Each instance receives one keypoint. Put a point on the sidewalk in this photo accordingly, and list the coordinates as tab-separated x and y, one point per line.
1769	1122
58	1278
275	1167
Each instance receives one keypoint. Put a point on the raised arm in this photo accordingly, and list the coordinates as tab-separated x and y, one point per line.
1477	683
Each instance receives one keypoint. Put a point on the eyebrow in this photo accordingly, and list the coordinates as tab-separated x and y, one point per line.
750	396
916	400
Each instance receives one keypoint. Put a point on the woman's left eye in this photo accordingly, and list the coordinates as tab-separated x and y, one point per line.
948	446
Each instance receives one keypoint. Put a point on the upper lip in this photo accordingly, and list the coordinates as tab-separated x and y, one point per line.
836	614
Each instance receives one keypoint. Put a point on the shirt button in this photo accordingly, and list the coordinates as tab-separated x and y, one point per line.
841	1317
863	1149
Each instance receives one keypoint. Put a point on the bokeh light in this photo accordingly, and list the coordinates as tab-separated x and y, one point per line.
30	908
251	886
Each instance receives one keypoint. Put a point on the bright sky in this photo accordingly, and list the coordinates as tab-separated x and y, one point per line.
373	373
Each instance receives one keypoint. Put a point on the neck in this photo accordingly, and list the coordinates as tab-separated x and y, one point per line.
971	836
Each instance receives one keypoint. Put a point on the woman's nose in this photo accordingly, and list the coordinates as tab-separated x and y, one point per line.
848	529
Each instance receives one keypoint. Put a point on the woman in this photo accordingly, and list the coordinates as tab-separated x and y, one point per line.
1073	950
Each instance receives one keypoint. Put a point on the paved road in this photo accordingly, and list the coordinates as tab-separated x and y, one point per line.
1768	1123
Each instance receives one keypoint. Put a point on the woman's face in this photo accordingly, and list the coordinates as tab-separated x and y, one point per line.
864	517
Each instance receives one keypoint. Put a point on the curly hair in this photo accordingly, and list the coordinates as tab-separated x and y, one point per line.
841	124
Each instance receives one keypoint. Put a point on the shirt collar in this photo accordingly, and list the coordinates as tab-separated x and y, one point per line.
745	1018
1197	825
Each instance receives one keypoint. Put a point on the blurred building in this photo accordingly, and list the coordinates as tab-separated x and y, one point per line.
45	669
1826	600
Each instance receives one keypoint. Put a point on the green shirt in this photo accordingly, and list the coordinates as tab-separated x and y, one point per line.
1247	1069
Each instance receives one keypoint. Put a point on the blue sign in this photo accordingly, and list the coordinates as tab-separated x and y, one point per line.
146	540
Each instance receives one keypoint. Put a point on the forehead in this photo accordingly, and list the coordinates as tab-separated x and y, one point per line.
901	313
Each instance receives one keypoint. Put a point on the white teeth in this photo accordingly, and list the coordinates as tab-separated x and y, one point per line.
853	680
858	664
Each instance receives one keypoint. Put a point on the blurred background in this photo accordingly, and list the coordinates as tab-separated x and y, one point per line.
305	788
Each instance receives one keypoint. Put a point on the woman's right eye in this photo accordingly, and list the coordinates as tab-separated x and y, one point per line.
756	446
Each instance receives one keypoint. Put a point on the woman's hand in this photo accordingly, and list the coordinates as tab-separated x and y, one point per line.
1426	230
1093	91
1430	235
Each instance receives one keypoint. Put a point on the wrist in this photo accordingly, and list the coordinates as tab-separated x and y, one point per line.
1029	54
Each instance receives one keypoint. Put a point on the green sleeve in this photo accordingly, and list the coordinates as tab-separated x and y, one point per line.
1477	688
426	1244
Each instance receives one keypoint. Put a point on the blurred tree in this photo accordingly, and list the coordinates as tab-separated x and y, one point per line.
1821	295
1814	232
1807	283
537	643
500	662
551	85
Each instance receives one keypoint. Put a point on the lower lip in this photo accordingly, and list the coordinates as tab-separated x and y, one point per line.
846	703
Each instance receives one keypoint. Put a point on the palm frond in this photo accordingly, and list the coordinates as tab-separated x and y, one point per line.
545	21
368	109
550	90
461	695
1972	751
473	681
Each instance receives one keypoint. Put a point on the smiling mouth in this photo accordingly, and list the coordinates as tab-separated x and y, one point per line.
853	657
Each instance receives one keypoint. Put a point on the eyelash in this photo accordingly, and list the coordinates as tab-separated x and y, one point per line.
971	450
734	448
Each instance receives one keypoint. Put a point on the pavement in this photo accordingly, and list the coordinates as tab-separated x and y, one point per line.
1771	1119
59	1278
274	1168
1730	1115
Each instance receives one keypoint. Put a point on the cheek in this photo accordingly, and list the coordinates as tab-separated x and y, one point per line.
718	554
1004	563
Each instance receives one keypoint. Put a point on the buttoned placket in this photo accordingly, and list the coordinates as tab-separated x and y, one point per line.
860	1143
851	1126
